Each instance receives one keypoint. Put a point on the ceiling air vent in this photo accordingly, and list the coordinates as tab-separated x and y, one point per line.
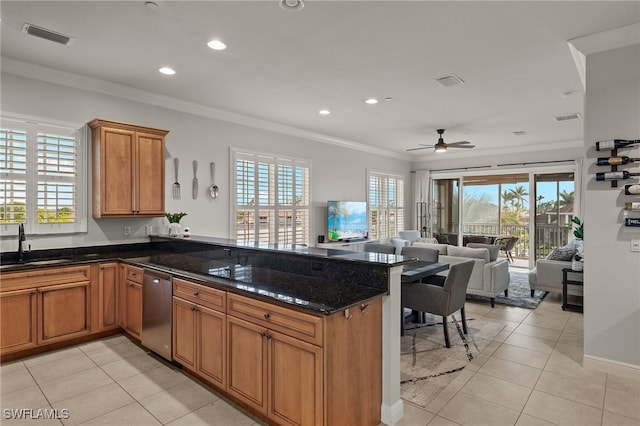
449	80
567	117
46	34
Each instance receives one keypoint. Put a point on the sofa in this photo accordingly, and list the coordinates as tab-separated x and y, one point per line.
490	275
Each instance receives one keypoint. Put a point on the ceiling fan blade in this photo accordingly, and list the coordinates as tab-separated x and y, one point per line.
416	149
460	146
458	143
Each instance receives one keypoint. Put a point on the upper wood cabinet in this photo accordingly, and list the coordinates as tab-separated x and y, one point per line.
128	169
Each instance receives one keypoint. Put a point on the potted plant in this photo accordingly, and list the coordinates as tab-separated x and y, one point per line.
578	258
174	223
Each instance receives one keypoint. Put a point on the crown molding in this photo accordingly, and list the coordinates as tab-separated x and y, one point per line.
50	75
607	40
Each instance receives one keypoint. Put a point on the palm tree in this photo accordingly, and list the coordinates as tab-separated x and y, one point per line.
507	197
566	198
519	194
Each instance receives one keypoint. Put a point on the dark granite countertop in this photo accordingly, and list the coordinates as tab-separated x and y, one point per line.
316	293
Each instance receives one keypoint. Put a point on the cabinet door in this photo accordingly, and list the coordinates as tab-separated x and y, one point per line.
184	333
116	173
63	312
211	345
133	309
295	381
18	320
247	363
108	296
149	175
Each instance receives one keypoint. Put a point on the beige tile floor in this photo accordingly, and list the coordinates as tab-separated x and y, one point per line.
530	375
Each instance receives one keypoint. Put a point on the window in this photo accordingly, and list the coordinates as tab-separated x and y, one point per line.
386	204
40	170
272	198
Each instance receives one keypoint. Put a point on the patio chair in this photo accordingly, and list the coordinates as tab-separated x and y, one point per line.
506	245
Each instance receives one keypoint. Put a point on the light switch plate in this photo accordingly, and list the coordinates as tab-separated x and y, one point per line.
127	230
635	245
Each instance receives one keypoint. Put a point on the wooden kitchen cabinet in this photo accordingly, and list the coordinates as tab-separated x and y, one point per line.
18	324
44	306
128	169
108	292
132	301
301	369
200	331
280	375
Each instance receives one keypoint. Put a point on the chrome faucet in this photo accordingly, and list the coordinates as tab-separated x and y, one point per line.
21	237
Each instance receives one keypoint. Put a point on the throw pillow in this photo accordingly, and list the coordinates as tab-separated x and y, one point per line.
562	253
475	253
494	250
442	248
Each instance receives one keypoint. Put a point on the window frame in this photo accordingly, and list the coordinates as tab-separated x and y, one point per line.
276	160
34	126
370	208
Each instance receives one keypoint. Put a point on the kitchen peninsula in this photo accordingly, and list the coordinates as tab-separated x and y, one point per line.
330	315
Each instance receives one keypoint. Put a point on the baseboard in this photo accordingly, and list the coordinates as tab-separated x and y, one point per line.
390	415
611	367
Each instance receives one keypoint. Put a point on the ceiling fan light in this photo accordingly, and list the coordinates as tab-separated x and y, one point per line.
440	148
293	5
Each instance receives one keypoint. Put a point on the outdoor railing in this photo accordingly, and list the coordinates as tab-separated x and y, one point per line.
546	239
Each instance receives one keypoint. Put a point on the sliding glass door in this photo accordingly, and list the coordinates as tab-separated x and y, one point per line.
555	196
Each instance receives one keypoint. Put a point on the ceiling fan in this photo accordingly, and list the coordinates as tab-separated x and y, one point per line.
441	146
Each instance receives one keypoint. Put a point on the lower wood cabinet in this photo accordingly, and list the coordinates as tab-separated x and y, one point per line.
297	368
18	323
44	306
277	375
200	332
131	300
108	292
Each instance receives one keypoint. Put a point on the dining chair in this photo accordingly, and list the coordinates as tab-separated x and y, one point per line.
440	300
380	248
421	253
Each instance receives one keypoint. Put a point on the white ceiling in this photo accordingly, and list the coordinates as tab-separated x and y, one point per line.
284	66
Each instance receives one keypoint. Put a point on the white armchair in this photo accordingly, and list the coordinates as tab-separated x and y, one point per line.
407	238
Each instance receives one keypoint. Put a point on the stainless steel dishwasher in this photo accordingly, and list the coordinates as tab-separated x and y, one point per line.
156	312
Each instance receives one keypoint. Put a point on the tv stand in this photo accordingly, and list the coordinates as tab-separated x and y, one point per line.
355	244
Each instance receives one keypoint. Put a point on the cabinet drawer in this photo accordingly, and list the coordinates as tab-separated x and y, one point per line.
134	274
292	323
44	277
203	295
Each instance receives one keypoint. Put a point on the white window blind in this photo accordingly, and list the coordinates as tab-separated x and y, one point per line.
272	198
41	177
386	204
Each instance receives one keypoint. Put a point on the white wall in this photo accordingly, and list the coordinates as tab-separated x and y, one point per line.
611	272
337	172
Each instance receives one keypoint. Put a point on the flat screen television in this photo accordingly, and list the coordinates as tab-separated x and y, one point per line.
346	220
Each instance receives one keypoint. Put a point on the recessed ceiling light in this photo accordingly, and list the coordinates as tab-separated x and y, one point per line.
388	99
217	45
167	71
294	5
151	5
324	112
519	132
371	101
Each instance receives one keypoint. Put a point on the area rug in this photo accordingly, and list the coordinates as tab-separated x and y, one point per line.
427	366
519	293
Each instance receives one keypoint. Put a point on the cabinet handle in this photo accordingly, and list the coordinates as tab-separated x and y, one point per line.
195	293
267	316
347	314
268	335
363	308
194	309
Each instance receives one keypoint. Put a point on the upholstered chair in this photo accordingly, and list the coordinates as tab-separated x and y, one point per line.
379	248
421	253
441	300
